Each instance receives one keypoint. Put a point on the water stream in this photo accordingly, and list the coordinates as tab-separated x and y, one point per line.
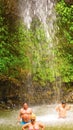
44	10
44	113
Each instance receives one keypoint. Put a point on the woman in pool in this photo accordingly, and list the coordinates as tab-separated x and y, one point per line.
33	125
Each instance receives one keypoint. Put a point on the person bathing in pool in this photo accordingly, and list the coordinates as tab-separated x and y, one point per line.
24	114
62	109
33	125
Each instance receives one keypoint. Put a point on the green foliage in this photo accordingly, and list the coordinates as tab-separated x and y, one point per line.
40	55
65	35
9	48
26	51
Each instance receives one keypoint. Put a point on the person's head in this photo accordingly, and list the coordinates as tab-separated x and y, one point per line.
25	106
33	118
63	104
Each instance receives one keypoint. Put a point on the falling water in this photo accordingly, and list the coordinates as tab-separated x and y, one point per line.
44	10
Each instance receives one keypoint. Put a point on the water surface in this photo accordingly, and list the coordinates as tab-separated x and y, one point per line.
45	114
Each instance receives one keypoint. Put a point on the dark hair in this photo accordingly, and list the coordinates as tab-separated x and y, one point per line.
63	102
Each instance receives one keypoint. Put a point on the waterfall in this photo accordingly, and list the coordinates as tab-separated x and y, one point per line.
45	12
43	9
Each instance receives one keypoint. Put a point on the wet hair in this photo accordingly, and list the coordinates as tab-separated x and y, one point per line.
33	116
63	102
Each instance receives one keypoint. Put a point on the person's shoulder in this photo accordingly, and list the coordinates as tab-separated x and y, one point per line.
21	109
40	124
29	108
68	106
58	106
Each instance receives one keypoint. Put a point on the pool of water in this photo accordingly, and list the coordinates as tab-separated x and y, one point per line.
48	115
44	113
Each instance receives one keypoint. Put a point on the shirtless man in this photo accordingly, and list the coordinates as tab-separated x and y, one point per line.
62	109
25	114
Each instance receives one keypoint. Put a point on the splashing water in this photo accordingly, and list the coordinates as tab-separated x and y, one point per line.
44	113
49	116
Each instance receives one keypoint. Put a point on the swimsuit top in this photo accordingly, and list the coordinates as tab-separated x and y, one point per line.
34	129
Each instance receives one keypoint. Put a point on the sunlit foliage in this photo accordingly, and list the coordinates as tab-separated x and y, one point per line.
65	36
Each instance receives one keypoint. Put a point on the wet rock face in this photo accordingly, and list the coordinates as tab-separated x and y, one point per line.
9	92
13	94
70	2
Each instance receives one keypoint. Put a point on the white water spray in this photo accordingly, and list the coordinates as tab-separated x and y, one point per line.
43	9
44	113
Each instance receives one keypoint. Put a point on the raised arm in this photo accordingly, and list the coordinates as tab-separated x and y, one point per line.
68	107
25	126
41	126
57	108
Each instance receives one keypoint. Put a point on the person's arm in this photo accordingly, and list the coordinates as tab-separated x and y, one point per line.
68	107
19	117
25	126
57	108
41	126
30	110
